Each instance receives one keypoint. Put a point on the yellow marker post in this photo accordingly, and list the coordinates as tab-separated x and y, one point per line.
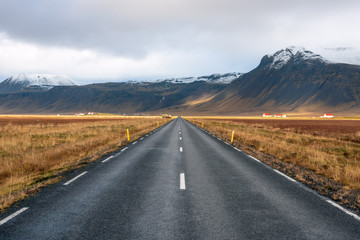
232	137
157	123
202	125
128	135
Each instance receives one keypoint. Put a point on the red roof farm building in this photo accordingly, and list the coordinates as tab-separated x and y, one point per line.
327	115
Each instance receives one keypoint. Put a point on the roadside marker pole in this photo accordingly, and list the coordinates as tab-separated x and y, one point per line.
127	133
232	137
202	125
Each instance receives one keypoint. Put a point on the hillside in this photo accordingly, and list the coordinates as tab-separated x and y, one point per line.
108	97
291	80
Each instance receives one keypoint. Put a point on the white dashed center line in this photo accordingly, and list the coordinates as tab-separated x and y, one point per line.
134	142
182	181
70	181
180	138
141	138
13	215
181	149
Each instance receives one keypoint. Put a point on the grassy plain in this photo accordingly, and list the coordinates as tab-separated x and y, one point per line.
328	147
35	150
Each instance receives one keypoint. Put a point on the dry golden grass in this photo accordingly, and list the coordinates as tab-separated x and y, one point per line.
34	154
335	156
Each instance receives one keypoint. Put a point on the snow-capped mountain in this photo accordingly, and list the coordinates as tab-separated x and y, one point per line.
23	81
298	54
213	78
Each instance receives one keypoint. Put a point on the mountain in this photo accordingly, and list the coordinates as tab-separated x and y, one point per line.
33	82
290	80
126	97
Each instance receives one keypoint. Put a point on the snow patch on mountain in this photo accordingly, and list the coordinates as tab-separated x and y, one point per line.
214	78
283	56
42	80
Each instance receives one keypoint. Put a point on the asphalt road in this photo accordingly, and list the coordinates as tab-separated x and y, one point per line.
178	183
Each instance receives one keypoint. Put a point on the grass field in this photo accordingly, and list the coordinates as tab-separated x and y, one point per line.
328	147
35	150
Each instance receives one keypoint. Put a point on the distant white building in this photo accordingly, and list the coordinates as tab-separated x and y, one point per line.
266	115
327	115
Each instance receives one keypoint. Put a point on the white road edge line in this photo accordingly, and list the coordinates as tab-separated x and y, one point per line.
107	159
181	149
284	175
123	149
254	158
70	181
141	138
134	142
13	215
182	181
237	149
343	209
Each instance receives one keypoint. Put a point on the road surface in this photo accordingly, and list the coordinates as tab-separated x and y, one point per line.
178	182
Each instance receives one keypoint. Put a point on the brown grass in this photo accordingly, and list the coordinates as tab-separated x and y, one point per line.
336	156
34	155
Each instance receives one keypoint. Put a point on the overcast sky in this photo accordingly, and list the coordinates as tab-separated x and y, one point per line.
117	40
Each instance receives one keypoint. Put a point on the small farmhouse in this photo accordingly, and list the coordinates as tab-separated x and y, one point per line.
327	115
266	115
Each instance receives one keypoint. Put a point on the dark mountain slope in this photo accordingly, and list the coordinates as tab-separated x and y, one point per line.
300	84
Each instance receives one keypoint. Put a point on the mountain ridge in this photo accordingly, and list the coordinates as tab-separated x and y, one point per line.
290	80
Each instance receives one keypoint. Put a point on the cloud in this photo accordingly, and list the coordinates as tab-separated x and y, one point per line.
87	65
197	36
340	49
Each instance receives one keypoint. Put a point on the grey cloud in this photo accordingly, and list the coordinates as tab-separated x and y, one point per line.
341	49
225	30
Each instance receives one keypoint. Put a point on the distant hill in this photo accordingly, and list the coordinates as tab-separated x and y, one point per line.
290	80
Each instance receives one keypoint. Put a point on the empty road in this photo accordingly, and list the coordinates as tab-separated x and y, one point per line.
178	182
